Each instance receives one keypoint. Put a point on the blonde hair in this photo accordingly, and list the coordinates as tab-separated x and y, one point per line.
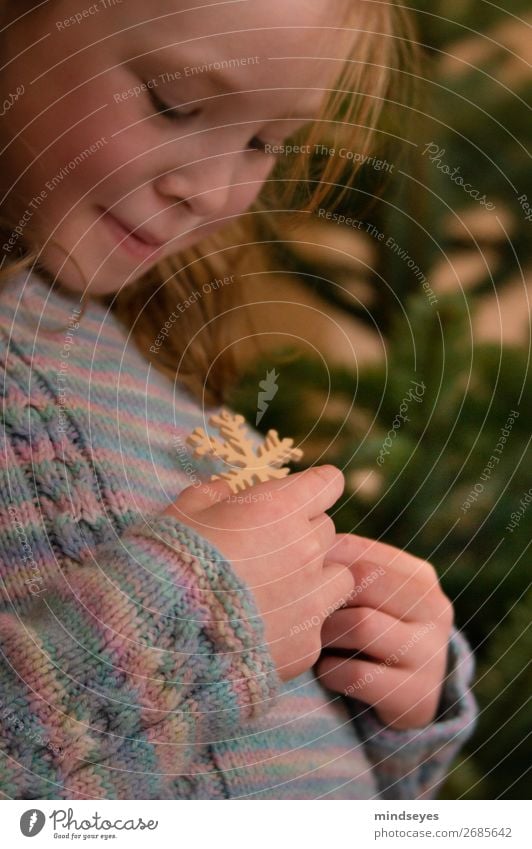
379	72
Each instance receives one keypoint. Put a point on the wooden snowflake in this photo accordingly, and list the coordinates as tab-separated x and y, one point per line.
249	464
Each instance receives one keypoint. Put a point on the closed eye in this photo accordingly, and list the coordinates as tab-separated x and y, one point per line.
173	113
257	144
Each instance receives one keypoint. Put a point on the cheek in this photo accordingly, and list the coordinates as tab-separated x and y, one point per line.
111	161
78	146
109	151
239	201
243	196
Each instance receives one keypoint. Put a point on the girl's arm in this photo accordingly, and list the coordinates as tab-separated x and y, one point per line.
120	660
413	763
136	656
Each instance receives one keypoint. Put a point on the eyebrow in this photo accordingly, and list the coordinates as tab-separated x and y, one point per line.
224	80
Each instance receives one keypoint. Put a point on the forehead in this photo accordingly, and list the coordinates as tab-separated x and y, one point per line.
203	16
296	41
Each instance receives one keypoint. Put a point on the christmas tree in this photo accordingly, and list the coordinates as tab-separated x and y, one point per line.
432	427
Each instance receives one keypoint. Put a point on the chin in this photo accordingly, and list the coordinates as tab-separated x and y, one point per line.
74	277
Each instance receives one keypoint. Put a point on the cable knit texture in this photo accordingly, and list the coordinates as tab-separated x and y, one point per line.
133	661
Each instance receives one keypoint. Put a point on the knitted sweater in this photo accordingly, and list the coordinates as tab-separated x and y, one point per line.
133	663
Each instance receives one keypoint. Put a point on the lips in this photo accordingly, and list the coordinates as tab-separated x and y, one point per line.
131	243
137	232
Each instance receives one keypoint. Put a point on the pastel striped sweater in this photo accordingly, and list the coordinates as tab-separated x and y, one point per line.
133	663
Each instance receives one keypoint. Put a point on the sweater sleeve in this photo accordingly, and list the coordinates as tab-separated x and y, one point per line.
413	763
151	639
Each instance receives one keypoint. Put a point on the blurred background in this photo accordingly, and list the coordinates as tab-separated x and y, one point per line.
432	290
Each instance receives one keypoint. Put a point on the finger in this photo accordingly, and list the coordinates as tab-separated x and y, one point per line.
360	679
325	531
350	548
403	592
405	598
337	584
401	597
314	490
362	629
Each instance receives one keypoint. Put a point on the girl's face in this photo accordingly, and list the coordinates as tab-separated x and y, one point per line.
88	152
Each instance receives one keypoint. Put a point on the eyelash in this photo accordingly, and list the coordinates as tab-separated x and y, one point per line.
173	115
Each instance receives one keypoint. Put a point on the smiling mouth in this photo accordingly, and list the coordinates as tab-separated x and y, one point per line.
129	241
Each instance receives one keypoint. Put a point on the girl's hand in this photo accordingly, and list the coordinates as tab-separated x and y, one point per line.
276	535
400	619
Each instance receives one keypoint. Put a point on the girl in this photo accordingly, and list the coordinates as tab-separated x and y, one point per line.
159	640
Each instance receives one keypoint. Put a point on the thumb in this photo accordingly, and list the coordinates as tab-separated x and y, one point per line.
347	549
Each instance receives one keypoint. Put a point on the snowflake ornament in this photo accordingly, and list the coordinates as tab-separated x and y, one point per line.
249	464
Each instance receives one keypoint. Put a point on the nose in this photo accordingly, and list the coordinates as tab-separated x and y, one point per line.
203	185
